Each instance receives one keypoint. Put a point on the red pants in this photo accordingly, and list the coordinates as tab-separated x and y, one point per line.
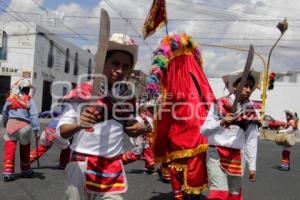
176	183
129	157
42	149
9	157
223	195
149	158
285	160
165	172
192	177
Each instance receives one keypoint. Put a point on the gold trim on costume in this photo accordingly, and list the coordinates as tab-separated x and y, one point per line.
186	153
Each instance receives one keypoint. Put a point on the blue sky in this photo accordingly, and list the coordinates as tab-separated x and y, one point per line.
52	4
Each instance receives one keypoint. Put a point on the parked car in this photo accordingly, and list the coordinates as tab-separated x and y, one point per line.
48	114
271	123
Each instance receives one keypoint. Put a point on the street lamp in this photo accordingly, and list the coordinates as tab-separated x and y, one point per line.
237	49
282	26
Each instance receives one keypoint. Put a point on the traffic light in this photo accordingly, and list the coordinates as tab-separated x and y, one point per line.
271	81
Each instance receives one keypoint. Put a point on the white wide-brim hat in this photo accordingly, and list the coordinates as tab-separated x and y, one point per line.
148	104
24	83
122	42
293	114
230	78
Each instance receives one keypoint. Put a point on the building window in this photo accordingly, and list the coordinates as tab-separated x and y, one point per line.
64	91
75	72
74	85
3	48
50	55
67	61
89	69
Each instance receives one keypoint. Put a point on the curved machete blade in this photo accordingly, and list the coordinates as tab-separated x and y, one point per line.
244	77
101	52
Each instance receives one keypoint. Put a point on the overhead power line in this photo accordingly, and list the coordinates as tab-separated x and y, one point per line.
17	17
67	27
26	22
222	9
222	12
71	35
129	22
41	7
169	19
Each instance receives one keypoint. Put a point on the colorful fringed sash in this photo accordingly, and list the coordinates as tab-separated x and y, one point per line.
18	102
103	175
230	160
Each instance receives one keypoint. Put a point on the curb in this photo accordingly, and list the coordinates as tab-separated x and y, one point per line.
270	135
267	134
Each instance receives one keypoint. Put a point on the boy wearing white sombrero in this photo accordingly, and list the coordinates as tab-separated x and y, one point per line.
232	137
95	168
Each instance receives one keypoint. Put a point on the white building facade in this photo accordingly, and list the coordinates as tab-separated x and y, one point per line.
53	64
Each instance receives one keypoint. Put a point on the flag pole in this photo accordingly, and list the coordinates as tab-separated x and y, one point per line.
167	31
156	18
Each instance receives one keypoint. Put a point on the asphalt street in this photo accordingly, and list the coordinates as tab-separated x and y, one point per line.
48	182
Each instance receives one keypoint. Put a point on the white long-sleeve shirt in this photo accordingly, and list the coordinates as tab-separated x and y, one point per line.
106	140
232	136
289	130
139	140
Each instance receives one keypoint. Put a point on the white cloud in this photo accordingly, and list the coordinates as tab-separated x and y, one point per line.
215	22
25	5
218	63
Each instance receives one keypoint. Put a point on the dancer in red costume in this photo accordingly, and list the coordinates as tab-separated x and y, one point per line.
20	119
186	96
46	141
291	129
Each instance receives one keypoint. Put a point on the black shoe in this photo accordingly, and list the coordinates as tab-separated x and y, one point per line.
150	171
61	167
8	177
163	179
27	174
194	197
283	168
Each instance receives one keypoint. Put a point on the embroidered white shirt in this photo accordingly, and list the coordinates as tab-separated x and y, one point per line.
232	136
105	141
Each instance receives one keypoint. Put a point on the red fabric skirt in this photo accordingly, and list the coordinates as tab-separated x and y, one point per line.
103	175
230	160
